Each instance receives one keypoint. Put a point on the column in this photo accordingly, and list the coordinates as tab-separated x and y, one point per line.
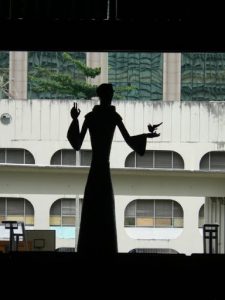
18	75
96	60
171	76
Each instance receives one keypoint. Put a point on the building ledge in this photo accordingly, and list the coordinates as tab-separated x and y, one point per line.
126	181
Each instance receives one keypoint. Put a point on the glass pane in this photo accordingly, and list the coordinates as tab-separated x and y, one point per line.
56	208
204	163
145	208
15	218
15	156
2	156
178	222
56	158
29	159
217	160
145	161
68	157
178	162
129	221
163	222
177	209
201	222
130	160
163	208
163	159
201	211
130	209
68	221
55	220
68	207
2	218
29	210
15	206
29	220
2	206
85	157
145	222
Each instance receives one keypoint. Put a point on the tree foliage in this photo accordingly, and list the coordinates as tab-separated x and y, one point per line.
63	83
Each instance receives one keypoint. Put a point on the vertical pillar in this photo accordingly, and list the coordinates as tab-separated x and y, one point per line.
171	76
96	60
18	75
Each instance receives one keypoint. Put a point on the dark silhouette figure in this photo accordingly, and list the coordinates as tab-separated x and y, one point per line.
98	227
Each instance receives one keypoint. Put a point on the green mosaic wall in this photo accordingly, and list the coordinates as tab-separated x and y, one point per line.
203	76
141	72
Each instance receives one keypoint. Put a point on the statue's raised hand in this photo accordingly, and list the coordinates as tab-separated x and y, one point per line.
75	111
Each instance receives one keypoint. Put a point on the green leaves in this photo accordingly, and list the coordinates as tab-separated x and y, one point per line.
62	83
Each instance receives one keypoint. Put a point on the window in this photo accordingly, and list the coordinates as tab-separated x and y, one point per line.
202	77
63	212
16	209
16	156
136	75
155	159
154	213
214	160
201	218
71	158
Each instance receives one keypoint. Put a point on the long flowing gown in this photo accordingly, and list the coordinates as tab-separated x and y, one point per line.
97	232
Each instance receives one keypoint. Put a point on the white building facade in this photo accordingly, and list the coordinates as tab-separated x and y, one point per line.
159	205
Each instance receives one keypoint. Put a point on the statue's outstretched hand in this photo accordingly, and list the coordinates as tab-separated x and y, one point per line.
152	130
75	111
152	134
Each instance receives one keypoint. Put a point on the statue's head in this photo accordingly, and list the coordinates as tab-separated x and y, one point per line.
105	93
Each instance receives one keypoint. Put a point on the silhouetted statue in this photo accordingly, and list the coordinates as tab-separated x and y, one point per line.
98	226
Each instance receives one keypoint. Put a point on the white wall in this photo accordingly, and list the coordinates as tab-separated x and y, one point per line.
189	128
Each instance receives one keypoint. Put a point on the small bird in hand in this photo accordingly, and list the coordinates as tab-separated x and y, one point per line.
152	128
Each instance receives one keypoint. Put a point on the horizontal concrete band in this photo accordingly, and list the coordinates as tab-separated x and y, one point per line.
126	181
